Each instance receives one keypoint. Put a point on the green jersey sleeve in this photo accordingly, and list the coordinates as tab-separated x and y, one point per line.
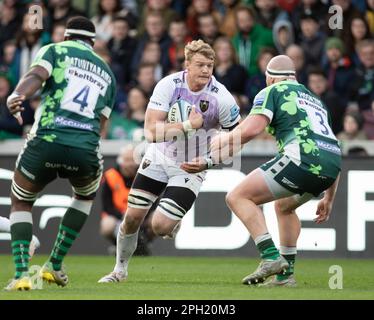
110	98
263	104
45	58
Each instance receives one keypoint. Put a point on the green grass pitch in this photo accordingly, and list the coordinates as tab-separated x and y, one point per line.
195	278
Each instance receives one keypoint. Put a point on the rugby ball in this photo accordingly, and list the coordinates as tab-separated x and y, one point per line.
179	112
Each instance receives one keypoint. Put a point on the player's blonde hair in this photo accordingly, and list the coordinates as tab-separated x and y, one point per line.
201	47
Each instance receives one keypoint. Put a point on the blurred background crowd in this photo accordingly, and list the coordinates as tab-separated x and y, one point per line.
144	40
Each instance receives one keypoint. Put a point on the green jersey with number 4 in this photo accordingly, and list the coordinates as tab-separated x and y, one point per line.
301	125
80	89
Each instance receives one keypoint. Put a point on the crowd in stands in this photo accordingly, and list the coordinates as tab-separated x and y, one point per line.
143	41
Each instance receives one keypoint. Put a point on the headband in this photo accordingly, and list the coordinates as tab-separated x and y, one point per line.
70	32
280	73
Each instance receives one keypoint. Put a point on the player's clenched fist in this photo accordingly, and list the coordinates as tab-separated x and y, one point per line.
14	104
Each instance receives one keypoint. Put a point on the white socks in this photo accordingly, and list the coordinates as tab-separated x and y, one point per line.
126	246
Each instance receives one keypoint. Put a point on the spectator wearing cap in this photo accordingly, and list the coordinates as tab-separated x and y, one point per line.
362	83
312	39
352	127
337	67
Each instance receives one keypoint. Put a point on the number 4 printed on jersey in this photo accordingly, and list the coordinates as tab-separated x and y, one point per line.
82	93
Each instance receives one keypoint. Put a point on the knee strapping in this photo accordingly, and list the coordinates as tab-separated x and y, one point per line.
89	189
23	194
171	209
140	199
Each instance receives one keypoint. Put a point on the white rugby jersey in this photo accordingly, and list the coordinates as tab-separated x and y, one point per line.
216	104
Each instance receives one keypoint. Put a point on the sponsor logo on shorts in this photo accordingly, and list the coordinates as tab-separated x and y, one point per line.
328	147
27	174
146	163
289	183
64	122
61	165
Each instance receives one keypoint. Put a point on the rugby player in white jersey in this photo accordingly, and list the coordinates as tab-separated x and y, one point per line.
212	108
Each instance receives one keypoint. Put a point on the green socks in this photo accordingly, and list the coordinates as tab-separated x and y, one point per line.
21	234
69	229
266	246
289	253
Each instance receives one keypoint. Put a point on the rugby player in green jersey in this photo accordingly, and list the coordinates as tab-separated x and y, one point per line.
308	164
78	90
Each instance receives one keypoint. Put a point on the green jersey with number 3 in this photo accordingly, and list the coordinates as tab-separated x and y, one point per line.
301	125
80	89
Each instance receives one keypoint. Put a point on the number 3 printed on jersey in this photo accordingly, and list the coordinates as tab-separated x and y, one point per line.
318	118
81	95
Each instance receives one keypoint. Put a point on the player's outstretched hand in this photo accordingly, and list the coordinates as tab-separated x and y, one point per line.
323	211
194	166
14	104
195	118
